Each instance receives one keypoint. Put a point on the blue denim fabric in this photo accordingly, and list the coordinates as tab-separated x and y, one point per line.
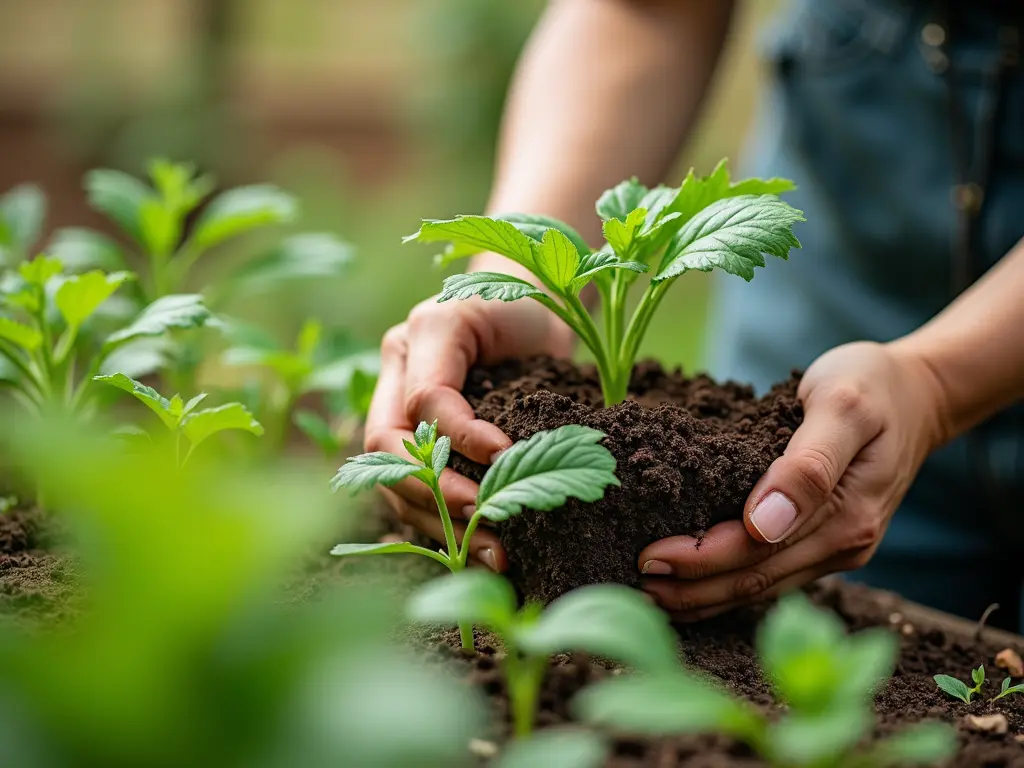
858	117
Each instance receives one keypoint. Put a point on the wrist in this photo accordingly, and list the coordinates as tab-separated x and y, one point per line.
926	384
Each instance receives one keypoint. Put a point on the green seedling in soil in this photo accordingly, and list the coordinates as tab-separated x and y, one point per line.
188	426
314	365
826	678
706	223
50	343
540	473
606	620
959	690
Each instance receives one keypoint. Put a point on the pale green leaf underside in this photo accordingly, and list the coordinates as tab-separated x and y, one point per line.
204	424
177	311
242	209
469	596
918	744
818	739
486	285
569	749
24	336
543	472
400	547
472	234
617	202
370	469
148	396
732	234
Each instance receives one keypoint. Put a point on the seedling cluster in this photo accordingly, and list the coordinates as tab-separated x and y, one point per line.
704	224
959	689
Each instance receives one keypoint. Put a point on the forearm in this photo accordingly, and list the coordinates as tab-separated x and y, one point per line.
974	349
606	89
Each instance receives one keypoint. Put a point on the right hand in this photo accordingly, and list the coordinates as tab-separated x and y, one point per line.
424	362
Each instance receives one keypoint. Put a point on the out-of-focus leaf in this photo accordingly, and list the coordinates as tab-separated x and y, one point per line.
201	425
471	596
177	311
298	257
79	296
240	210
22	211
121	197
148	396
555	747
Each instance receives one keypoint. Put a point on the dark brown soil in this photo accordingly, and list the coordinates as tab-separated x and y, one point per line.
724	649
689	452
37	582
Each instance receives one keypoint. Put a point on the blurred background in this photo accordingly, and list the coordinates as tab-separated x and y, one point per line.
375	114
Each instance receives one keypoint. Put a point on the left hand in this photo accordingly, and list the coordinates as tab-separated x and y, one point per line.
873	413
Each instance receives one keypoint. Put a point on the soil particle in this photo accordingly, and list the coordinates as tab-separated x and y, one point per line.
689	452
37	581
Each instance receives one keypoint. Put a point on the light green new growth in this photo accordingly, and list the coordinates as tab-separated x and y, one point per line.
959	690
1006	689
185	423
826	678
606	620
541	473
706	223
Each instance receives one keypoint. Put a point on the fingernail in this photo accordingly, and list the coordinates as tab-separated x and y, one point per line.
486	556
773	517
656	568
496	454
468	511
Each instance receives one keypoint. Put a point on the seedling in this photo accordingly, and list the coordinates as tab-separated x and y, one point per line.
540	473
706	223
958	689
606	620
315	364
826	678
47	332
188	427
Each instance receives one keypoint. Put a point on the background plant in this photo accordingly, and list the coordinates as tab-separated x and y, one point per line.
706	223
540	473
610	621
825	677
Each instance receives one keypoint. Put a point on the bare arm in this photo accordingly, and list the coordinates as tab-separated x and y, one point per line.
606	89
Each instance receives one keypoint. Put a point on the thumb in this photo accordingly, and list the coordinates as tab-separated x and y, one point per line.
836	427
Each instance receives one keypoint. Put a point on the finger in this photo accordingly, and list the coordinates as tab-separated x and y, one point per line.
837	425
484	546
753	583
440	353
387	406
795	581
726	547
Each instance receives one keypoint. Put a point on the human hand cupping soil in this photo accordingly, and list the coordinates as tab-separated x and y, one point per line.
872	415
424	362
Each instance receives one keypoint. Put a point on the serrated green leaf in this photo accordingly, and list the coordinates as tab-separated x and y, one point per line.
534	226
439	456
696	193
663	705
472	596
607	620
40	270
545	471
369	469
488	286
600	261
656	201
298	257
241	210
818	739
174	312
622	235
83	249
555	747
201	425
24	336
557	259
81	295
472	234
978	675
22	211
316	428
119	196
918	744
148	396
617	202
731	235
400	547
955	688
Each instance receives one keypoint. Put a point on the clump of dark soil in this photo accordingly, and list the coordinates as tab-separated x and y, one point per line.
37	582
689	451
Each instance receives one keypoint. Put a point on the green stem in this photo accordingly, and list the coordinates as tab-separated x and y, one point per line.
587	330
474	521
635	333
524	677
455	561
23	366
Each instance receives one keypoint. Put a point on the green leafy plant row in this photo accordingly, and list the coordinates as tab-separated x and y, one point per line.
704	224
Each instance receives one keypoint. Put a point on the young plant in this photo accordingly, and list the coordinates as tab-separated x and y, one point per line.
826	678
1007	690
540	473
188	427
605	620
706	223
316	365
958	689
50	331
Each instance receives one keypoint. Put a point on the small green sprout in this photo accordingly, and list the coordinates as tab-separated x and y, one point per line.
958	689
606	620
706	223
1006	689
825	677
540	473
185	423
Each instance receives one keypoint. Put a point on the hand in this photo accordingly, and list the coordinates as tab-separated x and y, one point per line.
424	362
872	415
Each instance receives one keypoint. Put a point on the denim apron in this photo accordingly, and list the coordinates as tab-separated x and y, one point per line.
902	122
